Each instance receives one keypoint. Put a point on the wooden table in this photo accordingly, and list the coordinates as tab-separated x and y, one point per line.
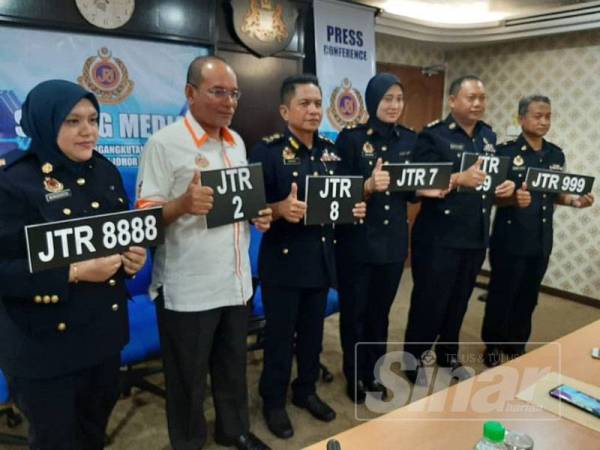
416	426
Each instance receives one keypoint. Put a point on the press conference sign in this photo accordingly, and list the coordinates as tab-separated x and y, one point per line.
495	167
413	176
544	180
330	199
58	244
239	194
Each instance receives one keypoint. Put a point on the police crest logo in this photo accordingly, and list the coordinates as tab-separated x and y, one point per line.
202	162
368	149
288	154
518	161
346	106
264	26
53	185
107	77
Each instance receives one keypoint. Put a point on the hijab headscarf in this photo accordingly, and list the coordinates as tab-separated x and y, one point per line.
45	109
376	89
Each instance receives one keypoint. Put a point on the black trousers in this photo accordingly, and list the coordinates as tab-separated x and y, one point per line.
513	294
69	412
443	283
294	319
367	292
195	344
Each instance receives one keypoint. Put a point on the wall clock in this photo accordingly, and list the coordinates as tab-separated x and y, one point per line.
107	14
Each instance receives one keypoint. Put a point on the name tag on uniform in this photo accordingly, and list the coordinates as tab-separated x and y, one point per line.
239	194
330	199
544	180
58	244
413	176
496	168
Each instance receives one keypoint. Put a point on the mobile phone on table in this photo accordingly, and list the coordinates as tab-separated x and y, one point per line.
581	400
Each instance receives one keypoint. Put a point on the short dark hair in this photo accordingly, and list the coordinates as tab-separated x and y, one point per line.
458	82
194	72
288	87
526	101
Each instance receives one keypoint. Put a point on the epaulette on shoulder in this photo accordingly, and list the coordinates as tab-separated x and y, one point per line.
326	139
272	138
12	157
433	124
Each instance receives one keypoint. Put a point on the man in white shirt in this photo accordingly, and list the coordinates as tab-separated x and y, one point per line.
201	277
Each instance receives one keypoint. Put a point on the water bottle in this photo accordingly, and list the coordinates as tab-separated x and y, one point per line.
493	437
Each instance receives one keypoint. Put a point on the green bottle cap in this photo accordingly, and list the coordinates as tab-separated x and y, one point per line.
493	431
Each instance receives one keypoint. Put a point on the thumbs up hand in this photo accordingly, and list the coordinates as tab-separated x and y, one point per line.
197	199
379	180
472	177
291	209
523	196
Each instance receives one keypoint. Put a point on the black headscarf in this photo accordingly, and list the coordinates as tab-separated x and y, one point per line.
45	109
376	89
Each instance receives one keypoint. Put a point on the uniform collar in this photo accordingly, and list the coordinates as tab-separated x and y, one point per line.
453	125
523	145
200	136
296	144
381	128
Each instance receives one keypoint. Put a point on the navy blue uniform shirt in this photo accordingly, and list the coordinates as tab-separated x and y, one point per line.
292	254
48	326
383	236
527	231
462	219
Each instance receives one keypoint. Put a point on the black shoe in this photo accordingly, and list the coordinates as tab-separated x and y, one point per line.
356	392
317	407
278	422
246	441
377	388
457	370
492	357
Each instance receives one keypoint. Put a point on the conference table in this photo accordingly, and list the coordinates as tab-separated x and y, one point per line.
453	418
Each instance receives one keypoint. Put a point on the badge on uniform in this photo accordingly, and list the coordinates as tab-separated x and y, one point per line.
329	157
454	146
368	149
518	161
555	167
289	156
53	185
488	147
452	126
202	162
47	168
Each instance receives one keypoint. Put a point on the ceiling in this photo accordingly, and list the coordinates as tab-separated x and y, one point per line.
465	12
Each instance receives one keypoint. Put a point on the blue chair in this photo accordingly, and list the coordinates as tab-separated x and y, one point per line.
144	340
257	320
13	418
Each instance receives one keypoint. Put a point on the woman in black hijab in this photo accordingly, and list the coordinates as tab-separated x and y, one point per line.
61	330
370	255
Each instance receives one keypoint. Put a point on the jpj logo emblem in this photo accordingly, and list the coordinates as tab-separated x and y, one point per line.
106	77
346	106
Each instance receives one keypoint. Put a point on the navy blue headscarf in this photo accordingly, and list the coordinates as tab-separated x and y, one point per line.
376	89
45	109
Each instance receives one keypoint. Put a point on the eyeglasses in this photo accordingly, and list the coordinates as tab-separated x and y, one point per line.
221	93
